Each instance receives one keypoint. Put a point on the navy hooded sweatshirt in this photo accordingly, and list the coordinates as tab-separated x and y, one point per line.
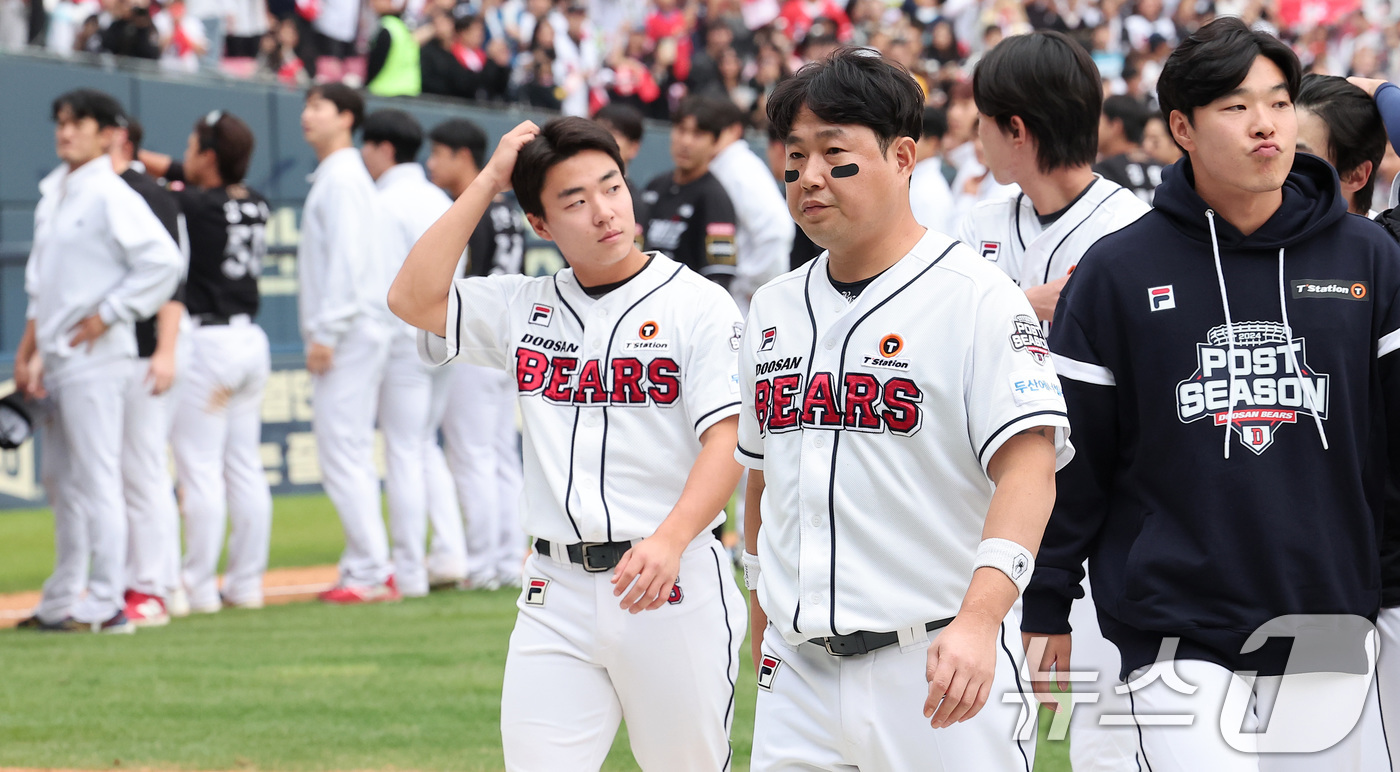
1181	540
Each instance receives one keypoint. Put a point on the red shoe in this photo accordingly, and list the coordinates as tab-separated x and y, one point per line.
346	595
145	610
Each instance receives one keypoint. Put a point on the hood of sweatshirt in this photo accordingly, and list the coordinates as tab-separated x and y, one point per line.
1312	201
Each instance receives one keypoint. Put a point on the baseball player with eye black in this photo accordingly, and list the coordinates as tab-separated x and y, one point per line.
624	365
902	424
1046	145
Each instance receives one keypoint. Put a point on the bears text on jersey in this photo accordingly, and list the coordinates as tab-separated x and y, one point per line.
862	403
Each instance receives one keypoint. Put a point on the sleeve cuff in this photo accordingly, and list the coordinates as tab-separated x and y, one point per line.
747	458
1044	611
715	416
108	312
1055	418
432	349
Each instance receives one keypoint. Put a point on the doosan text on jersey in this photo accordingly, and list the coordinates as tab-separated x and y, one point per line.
1232	454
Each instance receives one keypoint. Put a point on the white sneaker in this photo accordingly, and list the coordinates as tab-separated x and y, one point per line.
177	604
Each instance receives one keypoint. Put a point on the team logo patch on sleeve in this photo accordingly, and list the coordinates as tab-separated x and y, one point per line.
541	314
767	671
737	336
991	250
1028	336
534	591
1161	298
769	336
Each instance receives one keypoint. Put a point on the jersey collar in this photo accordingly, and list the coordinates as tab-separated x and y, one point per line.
654	275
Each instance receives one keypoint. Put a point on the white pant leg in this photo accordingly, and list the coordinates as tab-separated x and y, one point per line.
511	544
65	586
198	438
467	430
1388	685
866	712
91	405
249	497
405	399
447	552
153	518
1094	747
343	410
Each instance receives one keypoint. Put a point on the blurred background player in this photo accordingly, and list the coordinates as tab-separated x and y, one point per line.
100	261
346	328
1121	157
803	249
1157	140
413	396
685	213
1339	123
153	517
624	122
483	445
218	422
929	193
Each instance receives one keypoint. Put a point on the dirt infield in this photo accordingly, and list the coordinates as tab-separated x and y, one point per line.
282	585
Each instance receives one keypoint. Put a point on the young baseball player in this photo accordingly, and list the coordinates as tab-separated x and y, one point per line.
1339	123
902	424
218	421
625	368
483	446
1038	99
347	335
101	260
1228	362
414	396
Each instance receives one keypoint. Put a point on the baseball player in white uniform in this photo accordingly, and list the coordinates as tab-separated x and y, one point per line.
347	334
902	424
414	395
625	367
101	260
1047	146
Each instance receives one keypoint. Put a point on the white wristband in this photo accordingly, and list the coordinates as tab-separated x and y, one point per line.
1007	557
750	571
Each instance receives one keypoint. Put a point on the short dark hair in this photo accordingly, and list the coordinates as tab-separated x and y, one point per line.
1214	61
134	134
855	87
91	103
712	114
1355	133
935	122
399	129
559	140
621	118
230	139
1053	85
461	134
345	99
1128	111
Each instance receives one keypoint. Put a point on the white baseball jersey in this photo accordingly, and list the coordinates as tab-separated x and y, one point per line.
873	422
614	392
343	277
763	239
1007	232
408	205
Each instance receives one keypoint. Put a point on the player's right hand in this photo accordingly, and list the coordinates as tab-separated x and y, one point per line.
319	359
1054	654
502	162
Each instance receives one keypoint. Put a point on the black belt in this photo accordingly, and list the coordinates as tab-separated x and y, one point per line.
864	641
594	556
211	320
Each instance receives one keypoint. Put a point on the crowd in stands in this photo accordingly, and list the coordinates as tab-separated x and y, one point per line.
576	55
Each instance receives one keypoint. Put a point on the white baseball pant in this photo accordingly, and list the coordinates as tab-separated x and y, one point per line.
447	550
411	396
819	712
1281	706
152	515
484	455
82	473
343	410
1093	746
1386	747
217	440
578	664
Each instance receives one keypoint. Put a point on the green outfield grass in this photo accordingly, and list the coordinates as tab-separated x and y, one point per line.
408	686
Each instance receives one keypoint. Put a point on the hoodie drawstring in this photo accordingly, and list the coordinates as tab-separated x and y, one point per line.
1293	356
1229	331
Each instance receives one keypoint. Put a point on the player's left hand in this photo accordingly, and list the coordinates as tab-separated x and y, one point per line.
162	372
654	563
961	663
1044	297
87	331
319	359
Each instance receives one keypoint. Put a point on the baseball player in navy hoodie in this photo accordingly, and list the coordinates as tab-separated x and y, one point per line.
1228	363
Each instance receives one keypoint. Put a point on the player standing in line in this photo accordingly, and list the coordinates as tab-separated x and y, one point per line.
929	193
626	124
625	367
101	260
1246	308
899	407
685	212
483	446
1124	162
218	423
153	517
347	333
413	396
1038	99
1339	123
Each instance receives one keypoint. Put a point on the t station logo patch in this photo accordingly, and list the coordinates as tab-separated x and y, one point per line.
768	670
1268	392
1028	336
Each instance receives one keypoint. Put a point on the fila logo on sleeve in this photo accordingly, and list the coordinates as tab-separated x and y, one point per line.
534	591
769	336
1161	298
767	671
541	314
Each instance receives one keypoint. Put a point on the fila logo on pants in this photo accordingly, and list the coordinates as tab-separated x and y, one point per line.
534	591
767	670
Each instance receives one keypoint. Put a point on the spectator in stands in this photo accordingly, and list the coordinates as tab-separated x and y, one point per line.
541	86
247	26
1121	157
335	23
393	68
629	80
131	32
89	37
182	40
704	64
279	55
576	60
213	16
